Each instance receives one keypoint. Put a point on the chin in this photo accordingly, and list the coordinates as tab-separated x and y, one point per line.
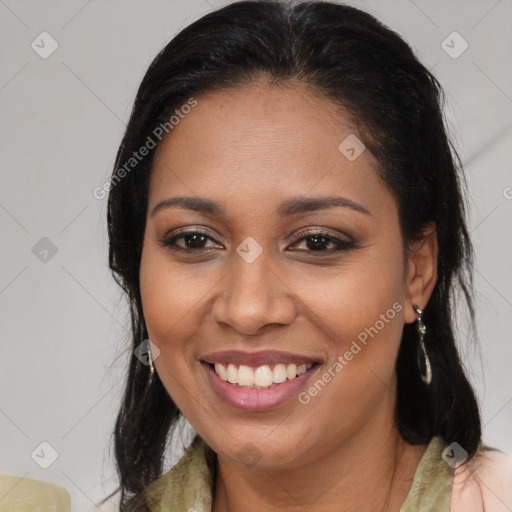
257	449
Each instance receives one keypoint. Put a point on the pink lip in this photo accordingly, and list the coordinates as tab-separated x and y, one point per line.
258	399
255	359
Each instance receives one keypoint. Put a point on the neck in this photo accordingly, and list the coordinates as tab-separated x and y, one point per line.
367	473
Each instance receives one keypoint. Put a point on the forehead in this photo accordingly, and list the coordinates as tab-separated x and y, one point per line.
258	143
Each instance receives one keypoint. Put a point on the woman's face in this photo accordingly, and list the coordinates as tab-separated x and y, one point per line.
274	276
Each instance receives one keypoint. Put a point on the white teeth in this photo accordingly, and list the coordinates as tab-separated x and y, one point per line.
279	373
221	371
261	377
291	371
245	376
232	374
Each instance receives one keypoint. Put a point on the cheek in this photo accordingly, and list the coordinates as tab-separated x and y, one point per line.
175	307
171	296
359	309
365	292
168	303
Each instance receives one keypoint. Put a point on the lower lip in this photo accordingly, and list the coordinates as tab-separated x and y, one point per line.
258	399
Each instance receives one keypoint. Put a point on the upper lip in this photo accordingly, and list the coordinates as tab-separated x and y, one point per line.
257	358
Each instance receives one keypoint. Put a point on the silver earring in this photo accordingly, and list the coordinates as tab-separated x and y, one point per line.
426	376
150	361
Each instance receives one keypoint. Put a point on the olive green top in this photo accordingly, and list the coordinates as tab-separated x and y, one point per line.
186	486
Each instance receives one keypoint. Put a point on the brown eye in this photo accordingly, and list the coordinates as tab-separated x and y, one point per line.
190	241
319	242
193	241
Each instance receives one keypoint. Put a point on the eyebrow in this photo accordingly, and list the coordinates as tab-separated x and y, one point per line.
292	206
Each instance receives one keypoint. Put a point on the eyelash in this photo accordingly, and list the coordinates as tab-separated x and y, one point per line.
342	245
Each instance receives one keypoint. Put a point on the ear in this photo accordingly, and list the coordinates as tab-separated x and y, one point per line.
421	273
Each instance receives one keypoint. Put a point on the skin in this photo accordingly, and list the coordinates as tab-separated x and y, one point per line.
249	149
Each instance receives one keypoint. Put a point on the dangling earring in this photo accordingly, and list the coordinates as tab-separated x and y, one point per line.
150	361
421	328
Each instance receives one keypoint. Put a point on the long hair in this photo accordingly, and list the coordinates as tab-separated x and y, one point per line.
397	106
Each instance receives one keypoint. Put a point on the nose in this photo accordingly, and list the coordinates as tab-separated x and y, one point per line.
253	296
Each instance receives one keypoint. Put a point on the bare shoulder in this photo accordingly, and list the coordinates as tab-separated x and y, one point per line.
483	484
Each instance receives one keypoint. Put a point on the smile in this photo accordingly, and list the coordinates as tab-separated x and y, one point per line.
261	377
258	381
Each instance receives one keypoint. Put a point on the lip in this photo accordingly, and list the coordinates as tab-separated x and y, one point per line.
255	359
258	399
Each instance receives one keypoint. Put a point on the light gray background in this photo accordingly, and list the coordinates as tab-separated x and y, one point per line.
62	323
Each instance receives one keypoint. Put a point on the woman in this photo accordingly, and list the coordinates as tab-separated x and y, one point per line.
287	220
